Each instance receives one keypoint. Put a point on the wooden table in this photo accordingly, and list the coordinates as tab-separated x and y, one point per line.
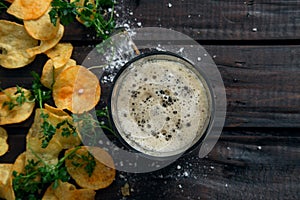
255	46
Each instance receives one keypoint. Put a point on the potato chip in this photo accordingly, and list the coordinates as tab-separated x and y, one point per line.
3	141
79	194
34	140
67	191
56	117
9	1
60	139
28	9
56	111
6	190
19	112
60	54
76	89
47	77
46	44
50	73
49	194
102	176
41	28
14	40
19	164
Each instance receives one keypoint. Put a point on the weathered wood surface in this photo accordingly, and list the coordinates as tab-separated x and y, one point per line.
208	20
254	44
250	164
261	82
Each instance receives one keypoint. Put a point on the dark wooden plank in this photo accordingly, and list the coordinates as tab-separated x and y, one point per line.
262	82
205	20
249	164
218	20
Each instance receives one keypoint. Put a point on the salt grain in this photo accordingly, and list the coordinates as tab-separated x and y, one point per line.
186	174
259	147
170	5
178	167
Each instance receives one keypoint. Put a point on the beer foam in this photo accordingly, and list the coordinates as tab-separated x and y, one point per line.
162	106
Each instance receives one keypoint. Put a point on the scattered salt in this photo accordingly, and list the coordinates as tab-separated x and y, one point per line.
254	29
259	147
178	167
186	174
170	5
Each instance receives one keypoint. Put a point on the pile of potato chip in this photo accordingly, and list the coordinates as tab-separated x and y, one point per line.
74	88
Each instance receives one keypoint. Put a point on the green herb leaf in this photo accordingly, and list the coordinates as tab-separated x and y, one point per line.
41	94
36	177
48	130
87	161
98	16
16	101
67	131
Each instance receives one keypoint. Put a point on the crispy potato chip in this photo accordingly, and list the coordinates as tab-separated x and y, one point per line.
49	194
55	111
14	40
6	190
3	141
50	73
58	70
59	141
18	113
67	191
41	28
5	172
28	9
79	194
60	54
57	116
19	164
102	176
34	140
45	45
76	89
47	77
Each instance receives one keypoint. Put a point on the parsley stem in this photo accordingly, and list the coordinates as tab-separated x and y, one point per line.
69	154
40	98
33	152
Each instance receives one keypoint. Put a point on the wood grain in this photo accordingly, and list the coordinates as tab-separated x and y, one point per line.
219	19
250	164
261	82
206	20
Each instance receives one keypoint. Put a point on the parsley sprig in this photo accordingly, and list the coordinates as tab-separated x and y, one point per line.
41	95
19	100
87	161
89	128
38	175
99	16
